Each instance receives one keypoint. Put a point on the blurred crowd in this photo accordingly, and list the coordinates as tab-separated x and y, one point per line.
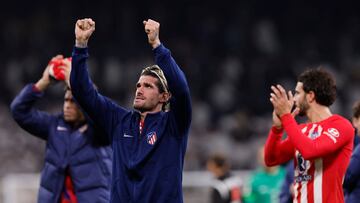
231	52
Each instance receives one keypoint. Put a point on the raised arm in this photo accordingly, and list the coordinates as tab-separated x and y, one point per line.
180	103
334	136
30	119
101	109
277	151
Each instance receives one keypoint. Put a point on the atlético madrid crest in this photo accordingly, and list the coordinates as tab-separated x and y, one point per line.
151	138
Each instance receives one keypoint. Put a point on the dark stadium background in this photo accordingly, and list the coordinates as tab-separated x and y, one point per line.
231	52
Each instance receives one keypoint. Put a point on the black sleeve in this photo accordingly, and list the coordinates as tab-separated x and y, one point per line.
215	196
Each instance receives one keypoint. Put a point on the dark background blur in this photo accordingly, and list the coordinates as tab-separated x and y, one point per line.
231	52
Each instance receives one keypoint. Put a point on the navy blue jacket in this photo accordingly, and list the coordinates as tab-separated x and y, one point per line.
143	170
67	148
352	178
285	196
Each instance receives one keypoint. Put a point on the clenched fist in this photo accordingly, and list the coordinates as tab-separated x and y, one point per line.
83	30
152	29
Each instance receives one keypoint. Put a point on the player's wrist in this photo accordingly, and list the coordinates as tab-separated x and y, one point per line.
42	84
277	129
81	43
155	44
285	115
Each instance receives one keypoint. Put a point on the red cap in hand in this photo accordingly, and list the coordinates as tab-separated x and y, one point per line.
55	71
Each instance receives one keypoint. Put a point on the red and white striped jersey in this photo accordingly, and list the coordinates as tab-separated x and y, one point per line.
321	153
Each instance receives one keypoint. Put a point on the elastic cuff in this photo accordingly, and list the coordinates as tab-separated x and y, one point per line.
35	89
276	130
286	118
78	50
159	48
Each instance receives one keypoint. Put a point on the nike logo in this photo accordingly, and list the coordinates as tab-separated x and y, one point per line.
61	128
83	128
126	135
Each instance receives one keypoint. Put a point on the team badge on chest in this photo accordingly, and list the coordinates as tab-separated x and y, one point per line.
151	138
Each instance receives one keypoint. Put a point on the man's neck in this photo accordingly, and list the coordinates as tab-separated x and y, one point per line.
143	114
318	113
78	123
271	170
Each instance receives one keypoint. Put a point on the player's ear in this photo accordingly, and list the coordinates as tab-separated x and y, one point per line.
165	96
310	96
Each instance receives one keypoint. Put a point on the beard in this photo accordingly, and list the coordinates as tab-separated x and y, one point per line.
143	107
140	108
304	106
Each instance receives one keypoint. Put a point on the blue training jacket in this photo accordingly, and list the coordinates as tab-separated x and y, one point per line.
285	196
147	167
74	149
352	178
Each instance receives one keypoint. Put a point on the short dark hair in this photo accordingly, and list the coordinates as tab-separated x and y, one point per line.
219	160
322	83
356	110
